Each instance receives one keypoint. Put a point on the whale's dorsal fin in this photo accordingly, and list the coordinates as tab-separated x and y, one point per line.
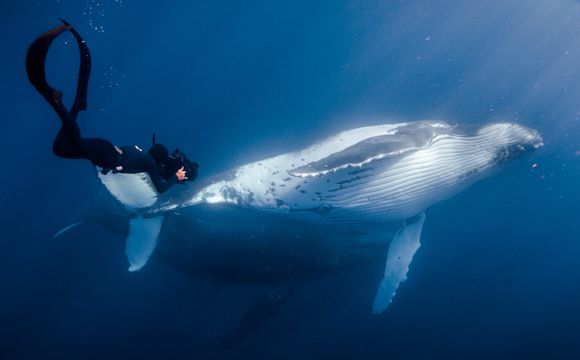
401	250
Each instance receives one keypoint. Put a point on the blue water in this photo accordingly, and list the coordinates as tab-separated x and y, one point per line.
498	273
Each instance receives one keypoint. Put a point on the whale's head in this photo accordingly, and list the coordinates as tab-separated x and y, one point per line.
510	141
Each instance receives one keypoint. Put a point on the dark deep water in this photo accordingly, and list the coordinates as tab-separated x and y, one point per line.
498	273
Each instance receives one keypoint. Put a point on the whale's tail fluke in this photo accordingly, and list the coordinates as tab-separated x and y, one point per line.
263	308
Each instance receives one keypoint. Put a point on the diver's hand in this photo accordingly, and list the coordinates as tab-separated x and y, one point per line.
181	174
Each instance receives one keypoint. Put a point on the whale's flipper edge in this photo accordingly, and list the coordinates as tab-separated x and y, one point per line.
142	240
401	250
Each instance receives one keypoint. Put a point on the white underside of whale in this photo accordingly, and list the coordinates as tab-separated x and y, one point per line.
369	175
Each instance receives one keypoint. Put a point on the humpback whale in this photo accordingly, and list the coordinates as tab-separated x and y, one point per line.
369	185
356	198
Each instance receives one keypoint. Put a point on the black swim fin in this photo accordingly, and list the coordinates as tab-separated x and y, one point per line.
36	63
80	102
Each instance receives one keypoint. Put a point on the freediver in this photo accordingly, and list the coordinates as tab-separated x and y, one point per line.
164	169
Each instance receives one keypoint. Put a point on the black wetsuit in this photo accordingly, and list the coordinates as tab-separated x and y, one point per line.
69	143
134	160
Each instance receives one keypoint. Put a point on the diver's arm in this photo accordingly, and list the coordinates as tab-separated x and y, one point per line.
136	161
160	184
163	185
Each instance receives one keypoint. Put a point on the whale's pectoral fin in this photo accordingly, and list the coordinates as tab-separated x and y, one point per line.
401	250
142	240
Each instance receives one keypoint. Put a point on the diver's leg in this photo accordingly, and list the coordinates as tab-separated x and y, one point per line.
100	152
64	147
68	143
